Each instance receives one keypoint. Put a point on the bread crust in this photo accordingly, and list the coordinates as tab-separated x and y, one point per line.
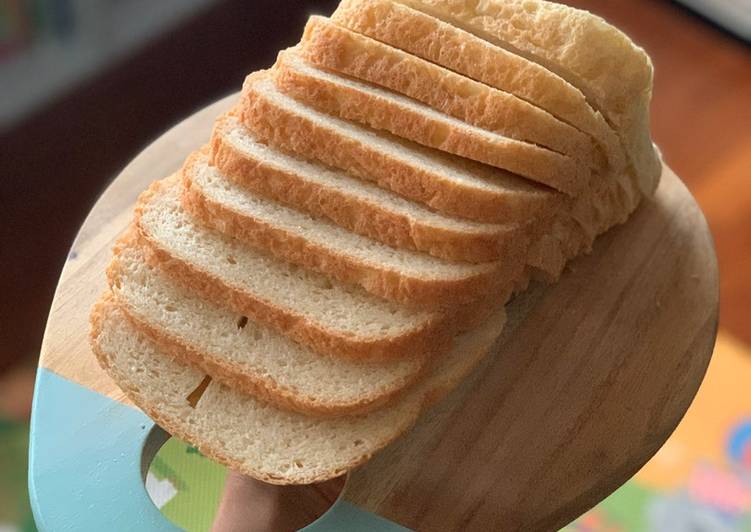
337	48
432	39
532	161
571	42
285	130
360	215
556	155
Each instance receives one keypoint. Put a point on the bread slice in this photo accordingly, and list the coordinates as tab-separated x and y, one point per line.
404	276
329	317
427	176
253	437
581	48
462	52
609	203
354	204
245	355
389	111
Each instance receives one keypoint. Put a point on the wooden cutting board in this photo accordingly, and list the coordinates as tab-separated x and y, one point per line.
589	379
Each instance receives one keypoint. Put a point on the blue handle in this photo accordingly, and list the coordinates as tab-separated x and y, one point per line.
85	461
88	458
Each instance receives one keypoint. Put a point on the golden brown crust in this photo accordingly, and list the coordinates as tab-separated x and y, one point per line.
286	131
335	48
559	37
580	47
444	44
382	114
389	284
572	231
360	215
432	337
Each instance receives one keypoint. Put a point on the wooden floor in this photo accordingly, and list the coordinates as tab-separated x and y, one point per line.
701	119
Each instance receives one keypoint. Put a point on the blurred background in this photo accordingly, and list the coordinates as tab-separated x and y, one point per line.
86	84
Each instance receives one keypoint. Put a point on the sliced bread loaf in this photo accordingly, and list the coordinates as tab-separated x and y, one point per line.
253	437
323	314
243	354
427	176
464	53
355	204
581	48
404	276
385	110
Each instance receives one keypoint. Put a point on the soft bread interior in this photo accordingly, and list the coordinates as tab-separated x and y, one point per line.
244	354
316	310
251	436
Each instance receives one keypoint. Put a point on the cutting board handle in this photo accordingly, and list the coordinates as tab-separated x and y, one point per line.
89	456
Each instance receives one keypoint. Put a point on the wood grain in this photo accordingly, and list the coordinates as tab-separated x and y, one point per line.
590	378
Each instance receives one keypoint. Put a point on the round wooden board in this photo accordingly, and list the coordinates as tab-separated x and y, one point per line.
590	378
